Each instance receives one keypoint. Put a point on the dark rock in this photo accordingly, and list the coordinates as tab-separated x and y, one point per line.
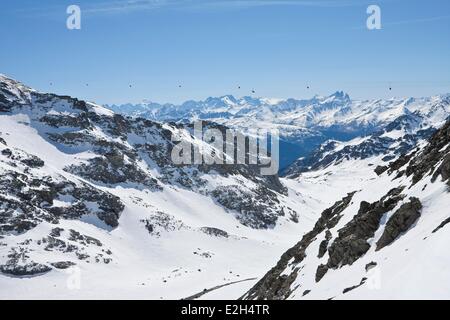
16	266
63	264
443	170
277	286
305	292
33	162
351	242
370	265
82	121
31	269
112	169
56	232
436	150
379	170
33	198
400	162
257	210
321	271
162	222
83	239
324	244
400	222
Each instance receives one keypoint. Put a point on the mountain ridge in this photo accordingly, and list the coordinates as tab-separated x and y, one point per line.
384	225
83	188
304	124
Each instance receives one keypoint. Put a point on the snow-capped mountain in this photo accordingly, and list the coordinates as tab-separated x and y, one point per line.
386	238
83	187
303	124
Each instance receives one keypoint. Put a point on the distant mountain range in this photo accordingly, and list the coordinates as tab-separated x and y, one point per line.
303	124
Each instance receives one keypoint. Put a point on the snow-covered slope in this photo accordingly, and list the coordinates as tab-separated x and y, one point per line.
91	206
386	238
334	110
391	141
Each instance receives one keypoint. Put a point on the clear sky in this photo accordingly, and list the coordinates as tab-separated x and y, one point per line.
276	47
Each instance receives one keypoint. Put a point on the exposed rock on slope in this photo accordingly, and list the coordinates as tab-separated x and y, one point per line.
98	161
351	242
434	158
276	284
137	152
28	197
393	141
377	231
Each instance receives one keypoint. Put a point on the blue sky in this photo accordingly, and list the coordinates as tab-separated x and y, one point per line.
276	47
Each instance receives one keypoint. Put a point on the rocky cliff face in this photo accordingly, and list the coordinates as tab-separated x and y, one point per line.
357	236
395	139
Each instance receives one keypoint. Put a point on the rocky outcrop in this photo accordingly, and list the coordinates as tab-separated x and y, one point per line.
435	153
443	170
19	264
126	152
29	269
324	244
356	237
162	222
400	222
113	169
371	265
276	285
26	199
363	280
258	210
321	271
379	170
63	264
350	244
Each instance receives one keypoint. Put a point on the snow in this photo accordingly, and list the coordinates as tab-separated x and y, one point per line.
184	260
298	120
415	266
143	265
100	110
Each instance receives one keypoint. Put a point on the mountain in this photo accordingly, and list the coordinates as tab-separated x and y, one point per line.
85	189
303	124
385	239
93	206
